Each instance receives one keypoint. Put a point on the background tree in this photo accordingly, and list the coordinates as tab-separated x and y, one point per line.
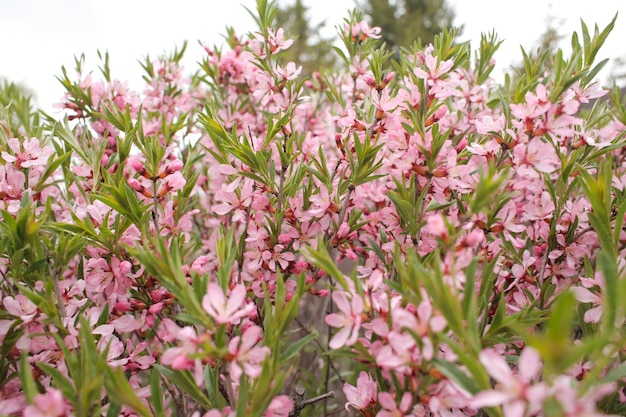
310	49
404	21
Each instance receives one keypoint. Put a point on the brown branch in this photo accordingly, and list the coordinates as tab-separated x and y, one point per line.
300	402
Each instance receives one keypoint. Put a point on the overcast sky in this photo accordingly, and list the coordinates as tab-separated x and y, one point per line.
39	36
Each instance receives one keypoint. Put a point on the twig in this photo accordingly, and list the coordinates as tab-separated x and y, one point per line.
317	342
300	402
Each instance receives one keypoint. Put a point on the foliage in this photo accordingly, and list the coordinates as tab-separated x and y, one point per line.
247	242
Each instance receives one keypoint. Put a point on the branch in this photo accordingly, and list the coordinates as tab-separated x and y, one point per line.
300	402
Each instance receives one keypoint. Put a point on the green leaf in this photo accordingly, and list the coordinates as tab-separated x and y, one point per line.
120	391
61	381
321	259
28	381
184	380
615	374
456	375
156	393
608	265
294	348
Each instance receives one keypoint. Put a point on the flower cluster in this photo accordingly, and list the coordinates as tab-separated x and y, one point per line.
422	240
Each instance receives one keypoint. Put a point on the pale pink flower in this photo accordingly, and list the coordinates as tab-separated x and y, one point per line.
536	155
173	182
288	72
348	319
223	310
487	124
320	202
389	408
28	153
435	68
276	40
363	395
516	393
436	225
233	199
584	294
20	307
50	404
281	406
278	257
245	354
362	30
573	404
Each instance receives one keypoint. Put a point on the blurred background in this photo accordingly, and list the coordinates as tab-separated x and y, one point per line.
37	37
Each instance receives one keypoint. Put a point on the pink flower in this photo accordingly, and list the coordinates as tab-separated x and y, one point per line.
363	395
27	154
245	354
281	406
487	124
436	225
21	307
277	256
515	393
223	310
349	319
276	40
50	404
536	155
585	295
389	408
361	31
233	199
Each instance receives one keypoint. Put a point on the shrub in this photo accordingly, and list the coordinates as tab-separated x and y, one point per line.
403	237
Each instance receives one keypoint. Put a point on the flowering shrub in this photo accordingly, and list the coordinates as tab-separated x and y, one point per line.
401	238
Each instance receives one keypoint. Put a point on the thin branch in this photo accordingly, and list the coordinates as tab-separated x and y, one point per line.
300	402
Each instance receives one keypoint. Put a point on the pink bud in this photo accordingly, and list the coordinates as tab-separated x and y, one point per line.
174	166
138	166
123	307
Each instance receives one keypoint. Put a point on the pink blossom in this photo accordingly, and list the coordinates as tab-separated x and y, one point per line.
516	393
348	319
278	257
584	294
281	406
276	40
245	354
28	153
362	30
487	124
50	404
537	155
223	310
389	408
363	395
233	199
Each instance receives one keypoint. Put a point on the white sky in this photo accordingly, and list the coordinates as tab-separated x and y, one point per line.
37	37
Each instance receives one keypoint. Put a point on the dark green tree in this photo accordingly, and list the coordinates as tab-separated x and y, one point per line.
310	49
404	21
